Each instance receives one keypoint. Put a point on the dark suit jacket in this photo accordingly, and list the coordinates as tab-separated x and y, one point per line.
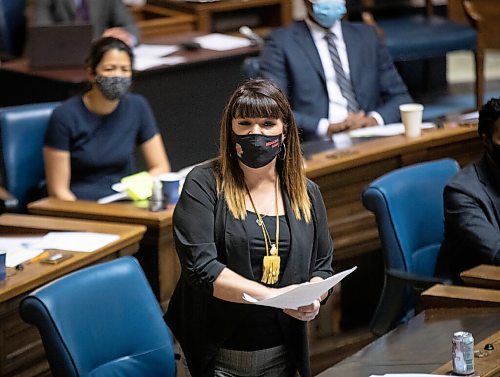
472	219
208	238
291	59
104	14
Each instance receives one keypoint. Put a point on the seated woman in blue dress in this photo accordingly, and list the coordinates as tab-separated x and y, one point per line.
91	138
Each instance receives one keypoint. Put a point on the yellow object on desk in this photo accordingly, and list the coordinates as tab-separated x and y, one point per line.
139	186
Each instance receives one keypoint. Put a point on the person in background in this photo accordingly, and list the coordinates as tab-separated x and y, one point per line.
109	18
249	222
472	205
337	75
91	138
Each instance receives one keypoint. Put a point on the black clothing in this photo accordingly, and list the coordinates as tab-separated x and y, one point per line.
472	219
208	238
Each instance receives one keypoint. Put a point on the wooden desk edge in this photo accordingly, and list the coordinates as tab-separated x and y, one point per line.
114	212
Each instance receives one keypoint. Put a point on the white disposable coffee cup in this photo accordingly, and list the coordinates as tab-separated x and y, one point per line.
411	116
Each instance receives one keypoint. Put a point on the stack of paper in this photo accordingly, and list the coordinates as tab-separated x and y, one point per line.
222	42
149	56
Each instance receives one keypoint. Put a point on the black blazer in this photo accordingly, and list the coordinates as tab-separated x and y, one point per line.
472	219
207	239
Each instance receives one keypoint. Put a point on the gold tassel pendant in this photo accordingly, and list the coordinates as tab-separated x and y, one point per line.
271	272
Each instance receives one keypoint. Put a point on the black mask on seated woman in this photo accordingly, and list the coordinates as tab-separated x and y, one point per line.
256	150
113	87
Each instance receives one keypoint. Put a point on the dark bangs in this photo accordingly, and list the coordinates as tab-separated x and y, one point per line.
256	105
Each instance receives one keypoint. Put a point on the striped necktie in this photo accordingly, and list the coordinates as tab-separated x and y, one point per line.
344	83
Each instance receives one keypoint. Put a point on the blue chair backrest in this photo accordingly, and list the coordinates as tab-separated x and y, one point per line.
408	207
22	132
12	27
102	321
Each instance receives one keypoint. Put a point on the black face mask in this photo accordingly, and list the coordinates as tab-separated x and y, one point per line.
256	150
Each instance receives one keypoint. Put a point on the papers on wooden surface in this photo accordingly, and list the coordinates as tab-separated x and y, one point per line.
19	249
150	56
387	130
76	241
22	249
303	294
222	42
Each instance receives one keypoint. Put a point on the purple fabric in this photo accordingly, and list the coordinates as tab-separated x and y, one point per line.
82	11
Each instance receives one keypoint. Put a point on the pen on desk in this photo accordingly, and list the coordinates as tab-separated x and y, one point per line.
39	257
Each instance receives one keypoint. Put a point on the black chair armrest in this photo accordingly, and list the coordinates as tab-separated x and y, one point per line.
8	202
419	282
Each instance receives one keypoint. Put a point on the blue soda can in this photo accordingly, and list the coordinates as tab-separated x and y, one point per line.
463	353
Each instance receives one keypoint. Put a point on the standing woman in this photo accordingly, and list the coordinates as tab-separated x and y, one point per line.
249	222
91	138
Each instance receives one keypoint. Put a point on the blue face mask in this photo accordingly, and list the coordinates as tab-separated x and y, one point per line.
326	13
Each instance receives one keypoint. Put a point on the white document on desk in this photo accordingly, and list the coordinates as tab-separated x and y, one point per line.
303	294
146	62
222	42
387	130
76	241
155	51
19	249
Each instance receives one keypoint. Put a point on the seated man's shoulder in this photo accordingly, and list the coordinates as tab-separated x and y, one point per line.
466	179
367	31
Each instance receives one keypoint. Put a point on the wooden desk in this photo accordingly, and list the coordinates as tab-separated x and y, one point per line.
152	20
21	351
229	15
483	276
453	296
420	346
341	177
187	99
157	250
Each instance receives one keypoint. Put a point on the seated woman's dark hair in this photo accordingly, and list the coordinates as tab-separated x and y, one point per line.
102	45
488	116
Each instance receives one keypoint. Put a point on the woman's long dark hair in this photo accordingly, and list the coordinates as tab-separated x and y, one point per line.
262	99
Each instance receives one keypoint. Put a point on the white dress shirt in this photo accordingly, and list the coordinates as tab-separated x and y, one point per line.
337	108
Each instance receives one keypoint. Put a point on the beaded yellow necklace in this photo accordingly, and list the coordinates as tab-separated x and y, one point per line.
271	261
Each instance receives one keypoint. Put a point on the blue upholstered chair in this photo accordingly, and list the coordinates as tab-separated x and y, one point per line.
426	35
408	208
102	321
12	27
22	131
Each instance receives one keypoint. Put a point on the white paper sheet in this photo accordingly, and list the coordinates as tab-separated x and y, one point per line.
222	42
20	255
154	51
19	249
76	241
387	130
303	294
146	62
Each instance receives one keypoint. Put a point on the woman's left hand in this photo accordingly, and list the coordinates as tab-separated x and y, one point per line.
305	313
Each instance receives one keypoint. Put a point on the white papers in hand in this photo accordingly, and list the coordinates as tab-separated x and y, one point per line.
387	130
303	294
222	42
76	241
